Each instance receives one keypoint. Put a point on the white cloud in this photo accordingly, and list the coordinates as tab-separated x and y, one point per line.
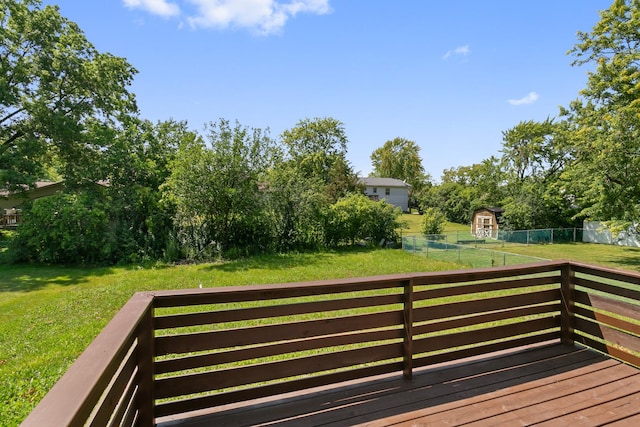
262	16
460	50
529	99
163	8
265	16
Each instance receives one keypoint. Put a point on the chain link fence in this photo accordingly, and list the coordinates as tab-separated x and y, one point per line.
472	252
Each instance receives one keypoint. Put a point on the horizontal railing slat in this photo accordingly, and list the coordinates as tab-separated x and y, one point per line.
475	275
614	322
608	288
233	377
234	294
203	402
481	305
126	405
610	335
477	350
460	339
114	393
473	288
630	277
612	351
203	341
497	316
204	360
205	318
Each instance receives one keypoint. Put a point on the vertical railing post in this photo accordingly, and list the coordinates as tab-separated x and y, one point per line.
408	330
567	300
145	352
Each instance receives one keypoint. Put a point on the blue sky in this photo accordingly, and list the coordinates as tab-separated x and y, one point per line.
449	75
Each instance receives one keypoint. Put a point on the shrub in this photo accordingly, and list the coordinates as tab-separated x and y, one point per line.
64	229
357	218
433	221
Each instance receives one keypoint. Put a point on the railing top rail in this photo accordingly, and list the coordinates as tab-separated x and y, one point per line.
196	296
72	398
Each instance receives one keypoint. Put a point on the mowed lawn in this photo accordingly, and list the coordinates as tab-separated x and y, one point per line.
48	315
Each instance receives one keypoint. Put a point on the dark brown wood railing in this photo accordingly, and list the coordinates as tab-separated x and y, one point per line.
167	353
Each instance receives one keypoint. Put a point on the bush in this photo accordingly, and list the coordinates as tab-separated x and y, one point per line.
433	221
64	229
356	218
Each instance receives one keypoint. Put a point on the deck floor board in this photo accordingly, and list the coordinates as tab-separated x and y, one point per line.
549	385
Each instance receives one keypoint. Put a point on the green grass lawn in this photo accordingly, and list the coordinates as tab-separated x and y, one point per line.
48	315
412	223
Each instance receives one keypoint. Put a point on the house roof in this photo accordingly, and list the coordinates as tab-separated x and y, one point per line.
371	181
38	185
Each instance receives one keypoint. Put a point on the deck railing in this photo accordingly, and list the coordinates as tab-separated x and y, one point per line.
168	353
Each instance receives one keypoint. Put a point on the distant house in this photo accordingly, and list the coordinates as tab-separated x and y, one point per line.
391	190
486	222
12	200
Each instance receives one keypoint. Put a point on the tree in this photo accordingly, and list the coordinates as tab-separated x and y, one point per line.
399	158
215	189
135	166
464	189
535	156
54	86
294	205
605	176
318	148
432	222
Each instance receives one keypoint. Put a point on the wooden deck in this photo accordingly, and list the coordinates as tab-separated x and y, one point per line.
470	347
552	384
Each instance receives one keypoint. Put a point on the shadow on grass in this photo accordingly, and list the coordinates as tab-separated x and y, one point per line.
28	278
285	261
630	259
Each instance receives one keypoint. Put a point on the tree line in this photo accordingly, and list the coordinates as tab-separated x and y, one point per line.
137	189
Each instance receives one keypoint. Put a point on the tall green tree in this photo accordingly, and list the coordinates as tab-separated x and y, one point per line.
319	148
606	172
400	158
54	85
535	156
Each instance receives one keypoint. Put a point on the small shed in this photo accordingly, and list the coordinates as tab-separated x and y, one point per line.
393	191
485	222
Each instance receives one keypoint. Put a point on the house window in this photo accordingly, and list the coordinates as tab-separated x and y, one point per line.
375	190
387	191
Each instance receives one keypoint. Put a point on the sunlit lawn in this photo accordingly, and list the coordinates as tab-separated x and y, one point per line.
48	315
